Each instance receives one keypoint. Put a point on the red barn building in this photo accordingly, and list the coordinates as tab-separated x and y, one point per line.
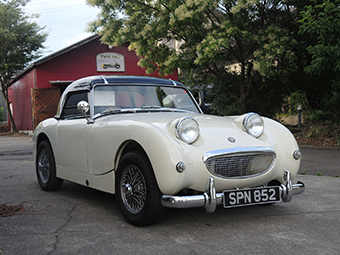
34	94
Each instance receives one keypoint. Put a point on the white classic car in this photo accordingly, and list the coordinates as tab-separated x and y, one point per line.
147	141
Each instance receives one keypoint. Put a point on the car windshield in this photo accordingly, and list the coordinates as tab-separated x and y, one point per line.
109	98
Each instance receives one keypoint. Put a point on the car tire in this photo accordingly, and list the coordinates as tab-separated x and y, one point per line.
137	192
46	169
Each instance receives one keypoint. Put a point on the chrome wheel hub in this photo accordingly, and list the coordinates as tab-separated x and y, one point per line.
127	189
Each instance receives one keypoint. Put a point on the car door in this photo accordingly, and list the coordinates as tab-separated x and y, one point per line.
72	135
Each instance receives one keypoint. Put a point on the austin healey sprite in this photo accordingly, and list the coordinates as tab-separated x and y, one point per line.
147	141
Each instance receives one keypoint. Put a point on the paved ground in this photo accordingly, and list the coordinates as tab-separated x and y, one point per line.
79	220
325	160
16	144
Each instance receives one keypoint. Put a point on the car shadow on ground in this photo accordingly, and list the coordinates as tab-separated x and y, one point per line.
106	203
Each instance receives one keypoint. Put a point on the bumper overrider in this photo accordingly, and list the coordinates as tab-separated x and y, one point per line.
210	199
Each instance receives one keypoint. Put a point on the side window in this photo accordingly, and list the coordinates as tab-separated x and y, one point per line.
70	108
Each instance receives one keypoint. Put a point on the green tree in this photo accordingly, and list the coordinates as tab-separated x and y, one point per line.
20	41
2	118
210	35
321	21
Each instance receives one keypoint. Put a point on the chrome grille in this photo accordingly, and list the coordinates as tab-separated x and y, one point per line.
240	165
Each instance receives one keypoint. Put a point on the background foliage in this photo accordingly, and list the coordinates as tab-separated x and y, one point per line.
212	36
254	54
2	114
322	22
280	48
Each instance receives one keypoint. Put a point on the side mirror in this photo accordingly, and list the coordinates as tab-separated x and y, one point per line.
83	107
201	101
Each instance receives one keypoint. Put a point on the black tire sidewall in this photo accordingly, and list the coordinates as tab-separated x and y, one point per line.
153	208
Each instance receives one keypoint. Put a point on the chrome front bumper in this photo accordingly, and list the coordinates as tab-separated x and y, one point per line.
210	199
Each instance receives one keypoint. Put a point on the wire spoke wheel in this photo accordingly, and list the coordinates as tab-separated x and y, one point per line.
44	168
133	189
138	195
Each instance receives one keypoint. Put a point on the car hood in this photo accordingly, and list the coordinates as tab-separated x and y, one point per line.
155	132
215	132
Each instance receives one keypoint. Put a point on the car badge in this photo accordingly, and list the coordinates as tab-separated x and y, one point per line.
231	139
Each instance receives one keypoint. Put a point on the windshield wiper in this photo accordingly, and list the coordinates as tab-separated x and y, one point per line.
150	107
144	108
111	110
114	110
157	108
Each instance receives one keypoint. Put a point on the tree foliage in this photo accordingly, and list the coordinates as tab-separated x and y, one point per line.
210	37
256	53
2	114
20	41
321	21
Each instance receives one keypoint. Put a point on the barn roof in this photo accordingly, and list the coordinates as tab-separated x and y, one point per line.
54	55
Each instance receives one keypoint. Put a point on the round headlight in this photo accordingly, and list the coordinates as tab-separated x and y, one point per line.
187	130
253	124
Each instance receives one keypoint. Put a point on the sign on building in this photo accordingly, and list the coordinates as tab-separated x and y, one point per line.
110	62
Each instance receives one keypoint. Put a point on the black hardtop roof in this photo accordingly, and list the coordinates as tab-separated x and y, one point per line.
90	81
141	79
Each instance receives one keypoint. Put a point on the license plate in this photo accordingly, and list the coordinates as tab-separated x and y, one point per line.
244	197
